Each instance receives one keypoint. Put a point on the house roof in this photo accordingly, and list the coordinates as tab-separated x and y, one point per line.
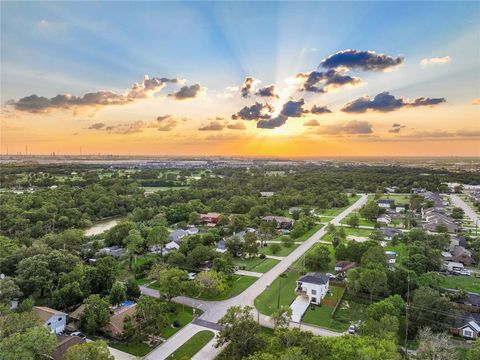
77	313
315	278
210	215
386	201
64	343
46	313
392	232
117	319
177	235
277	218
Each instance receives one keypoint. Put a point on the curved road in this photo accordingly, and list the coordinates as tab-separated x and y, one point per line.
215	310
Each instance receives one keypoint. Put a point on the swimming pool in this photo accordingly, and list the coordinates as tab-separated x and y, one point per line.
127	303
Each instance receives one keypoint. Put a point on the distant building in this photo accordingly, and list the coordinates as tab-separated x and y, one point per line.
384	219
313	285
192	230
453	266
177	235
210	219
462	255
341	267
391	257
64	343
51	318
114	328
282	221
267	193
115	251
385	203
390	233
469	326
221	246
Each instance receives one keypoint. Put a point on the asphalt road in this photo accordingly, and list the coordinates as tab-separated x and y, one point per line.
215	310
467	209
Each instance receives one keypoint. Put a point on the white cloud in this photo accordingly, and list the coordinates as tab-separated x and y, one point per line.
436	61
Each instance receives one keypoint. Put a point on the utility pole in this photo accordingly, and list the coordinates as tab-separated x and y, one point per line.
406	315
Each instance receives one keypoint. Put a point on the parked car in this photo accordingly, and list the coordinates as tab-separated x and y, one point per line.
331	276
79	334
352	329
192	276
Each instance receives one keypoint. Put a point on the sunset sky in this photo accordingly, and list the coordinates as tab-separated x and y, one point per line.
267	79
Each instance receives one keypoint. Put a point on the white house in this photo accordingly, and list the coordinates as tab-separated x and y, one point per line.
470	330
172	245
400	209
314	286
384	219
454	266
385	203
53	319
391	257
192	231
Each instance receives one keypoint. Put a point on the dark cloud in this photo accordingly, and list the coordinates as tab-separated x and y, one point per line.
322	82
212	126
312	122
96	126
272	123
256	111
293	108
396	128
353	127
247	87
39	104
237	126
268	91
187	92
320	109
365	60
128	128
166	123
384	102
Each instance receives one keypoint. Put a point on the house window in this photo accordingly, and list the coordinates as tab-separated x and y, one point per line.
314	300
59	319
314	292
467	333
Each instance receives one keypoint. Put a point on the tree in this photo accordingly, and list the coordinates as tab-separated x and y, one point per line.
118	234
374	258
287	241
234	245
275	248
353	221
118	293
158	236
96	314
68	295
170	281
266	231
8	290
134	242
318	259
33	343
223	264
151	315
441	228
212	282
94	350
370	211
132	289
373	281
99	279
282	316
457	213
250	246
240	331
435	346
238	223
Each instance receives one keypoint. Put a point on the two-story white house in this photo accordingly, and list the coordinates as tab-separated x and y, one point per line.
53	319
313	285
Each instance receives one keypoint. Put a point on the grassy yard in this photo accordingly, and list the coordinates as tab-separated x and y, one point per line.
468	283
184	315
321	315
255	264
267	301
336	211
309	233
284	251
349	231
362	221
192	345
137	348
400	249
399	199
237	285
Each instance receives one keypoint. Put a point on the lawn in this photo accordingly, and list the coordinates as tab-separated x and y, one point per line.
362	221
399	199
400	249
184	315
468	283
192	345
321	315
284	251
349	231
237	285
255	264
137	348
337	211
267	301
309	233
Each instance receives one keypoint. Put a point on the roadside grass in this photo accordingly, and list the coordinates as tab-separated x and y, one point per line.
337	210
192	345
322	315
284	251
309	233
183	314
237	284
266	302
468	283
362	221
134	348
255	264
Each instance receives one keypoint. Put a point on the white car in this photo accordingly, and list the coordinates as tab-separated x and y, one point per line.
465	272
331	276
79	334
191	276
352	329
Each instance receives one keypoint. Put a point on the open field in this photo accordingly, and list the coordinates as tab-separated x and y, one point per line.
237	285
192	345
467	283
281	291
255	264
284	251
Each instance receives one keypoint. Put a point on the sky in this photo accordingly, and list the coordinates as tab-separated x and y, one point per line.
287	79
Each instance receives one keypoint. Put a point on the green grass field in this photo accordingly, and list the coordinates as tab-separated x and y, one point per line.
255	264
399	199
136	349
309	233
237	285
267	301
468	283
284	251
362	221
337	211
184	315
321	315
299	264
192	345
